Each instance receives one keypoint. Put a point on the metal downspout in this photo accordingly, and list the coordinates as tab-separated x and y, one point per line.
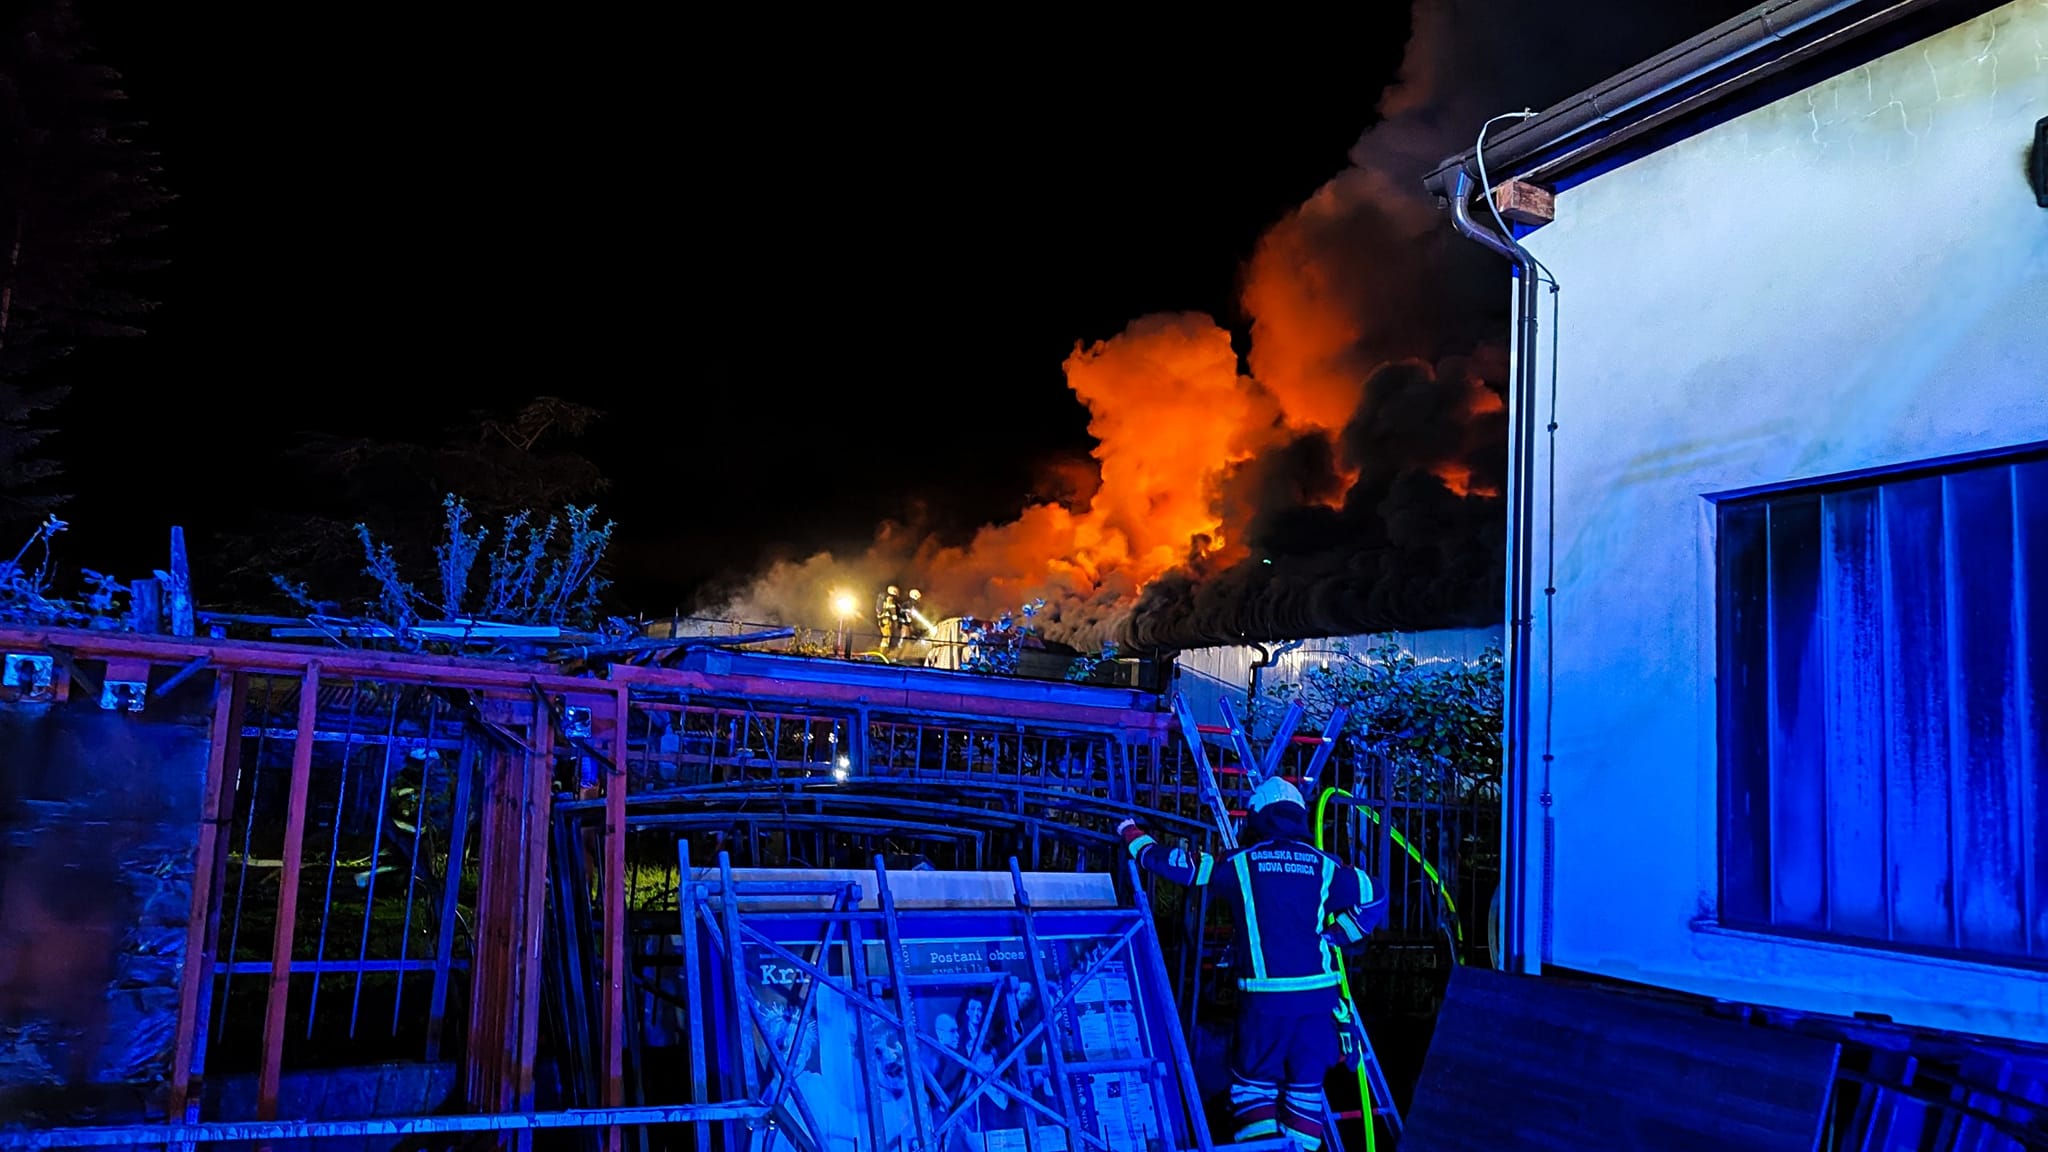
1251	692
1266	660
1521	477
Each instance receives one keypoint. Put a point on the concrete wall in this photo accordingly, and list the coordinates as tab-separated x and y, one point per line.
1851	277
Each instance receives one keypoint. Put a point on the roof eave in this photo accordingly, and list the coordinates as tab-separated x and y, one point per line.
1703	71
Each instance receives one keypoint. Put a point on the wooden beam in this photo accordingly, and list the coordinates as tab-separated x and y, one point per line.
501	977
214	798
539	781
288	896
489	953
231	777
178	589
292	659
1523	203
1552	1066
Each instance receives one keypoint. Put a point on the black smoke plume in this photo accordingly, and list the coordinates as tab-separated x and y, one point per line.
1351	298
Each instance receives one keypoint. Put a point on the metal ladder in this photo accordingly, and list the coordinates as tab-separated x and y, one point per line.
1377	1096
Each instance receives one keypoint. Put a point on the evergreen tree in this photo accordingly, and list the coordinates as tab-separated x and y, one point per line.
24	473
76	192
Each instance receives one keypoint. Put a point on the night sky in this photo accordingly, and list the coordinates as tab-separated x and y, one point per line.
816	275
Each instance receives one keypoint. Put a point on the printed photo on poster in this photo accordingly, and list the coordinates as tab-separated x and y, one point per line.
981	1073
982	1001
810	1024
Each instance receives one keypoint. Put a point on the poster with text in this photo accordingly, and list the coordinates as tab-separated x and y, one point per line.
990	1081
814	1031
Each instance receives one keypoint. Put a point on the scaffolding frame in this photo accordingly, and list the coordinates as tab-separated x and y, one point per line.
566	786
713	907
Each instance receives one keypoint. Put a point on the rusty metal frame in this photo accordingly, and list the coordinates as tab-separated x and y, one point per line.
1138	765
525	772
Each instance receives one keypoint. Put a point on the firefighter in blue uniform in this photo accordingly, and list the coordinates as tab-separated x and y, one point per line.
1296	907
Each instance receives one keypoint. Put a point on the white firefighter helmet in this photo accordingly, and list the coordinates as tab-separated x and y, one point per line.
1275	791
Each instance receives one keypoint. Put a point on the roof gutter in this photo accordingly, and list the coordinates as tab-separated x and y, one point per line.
1797	26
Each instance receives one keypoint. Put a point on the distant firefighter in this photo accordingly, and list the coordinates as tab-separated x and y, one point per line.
889	617
906	616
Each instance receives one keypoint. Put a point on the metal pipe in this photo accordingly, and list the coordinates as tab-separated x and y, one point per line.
451	898
784	1068
242	865
626	647
904	1004
694	983
1521	478
1266	660
1191	1094
412	872
355	700
1251	688
134	1135
376	856
1055	1047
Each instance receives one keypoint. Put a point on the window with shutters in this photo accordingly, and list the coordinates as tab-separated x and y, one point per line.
1884	709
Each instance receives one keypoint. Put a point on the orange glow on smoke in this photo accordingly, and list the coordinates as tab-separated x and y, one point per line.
1170	415
1458	479
1173	417
1302	328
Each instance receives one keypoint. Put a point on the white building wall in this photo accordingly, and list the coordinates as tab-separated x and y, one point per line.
1211	675
1851	277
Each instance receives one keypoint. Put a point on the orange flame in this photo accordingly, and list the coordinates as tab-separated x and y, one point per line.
1174	418
1170	415
1353	298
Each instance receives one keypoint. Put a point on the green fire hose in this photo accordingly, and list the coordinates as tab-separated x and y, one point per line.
1344	987
1436	881
1428	869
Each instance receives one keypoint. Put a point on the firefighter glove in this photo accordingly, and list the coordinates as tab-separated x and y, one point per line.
1350	1037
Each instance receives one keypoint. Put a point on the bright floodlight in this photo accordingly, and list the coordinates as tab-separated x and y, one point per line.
845	762
839	774
843	604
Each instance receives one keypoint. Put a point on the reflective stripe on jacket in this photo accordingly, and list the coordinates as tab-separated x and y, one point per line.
1292	902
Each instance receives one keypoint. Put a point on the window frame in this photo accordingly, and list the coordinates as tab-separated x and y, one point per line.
1730	828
